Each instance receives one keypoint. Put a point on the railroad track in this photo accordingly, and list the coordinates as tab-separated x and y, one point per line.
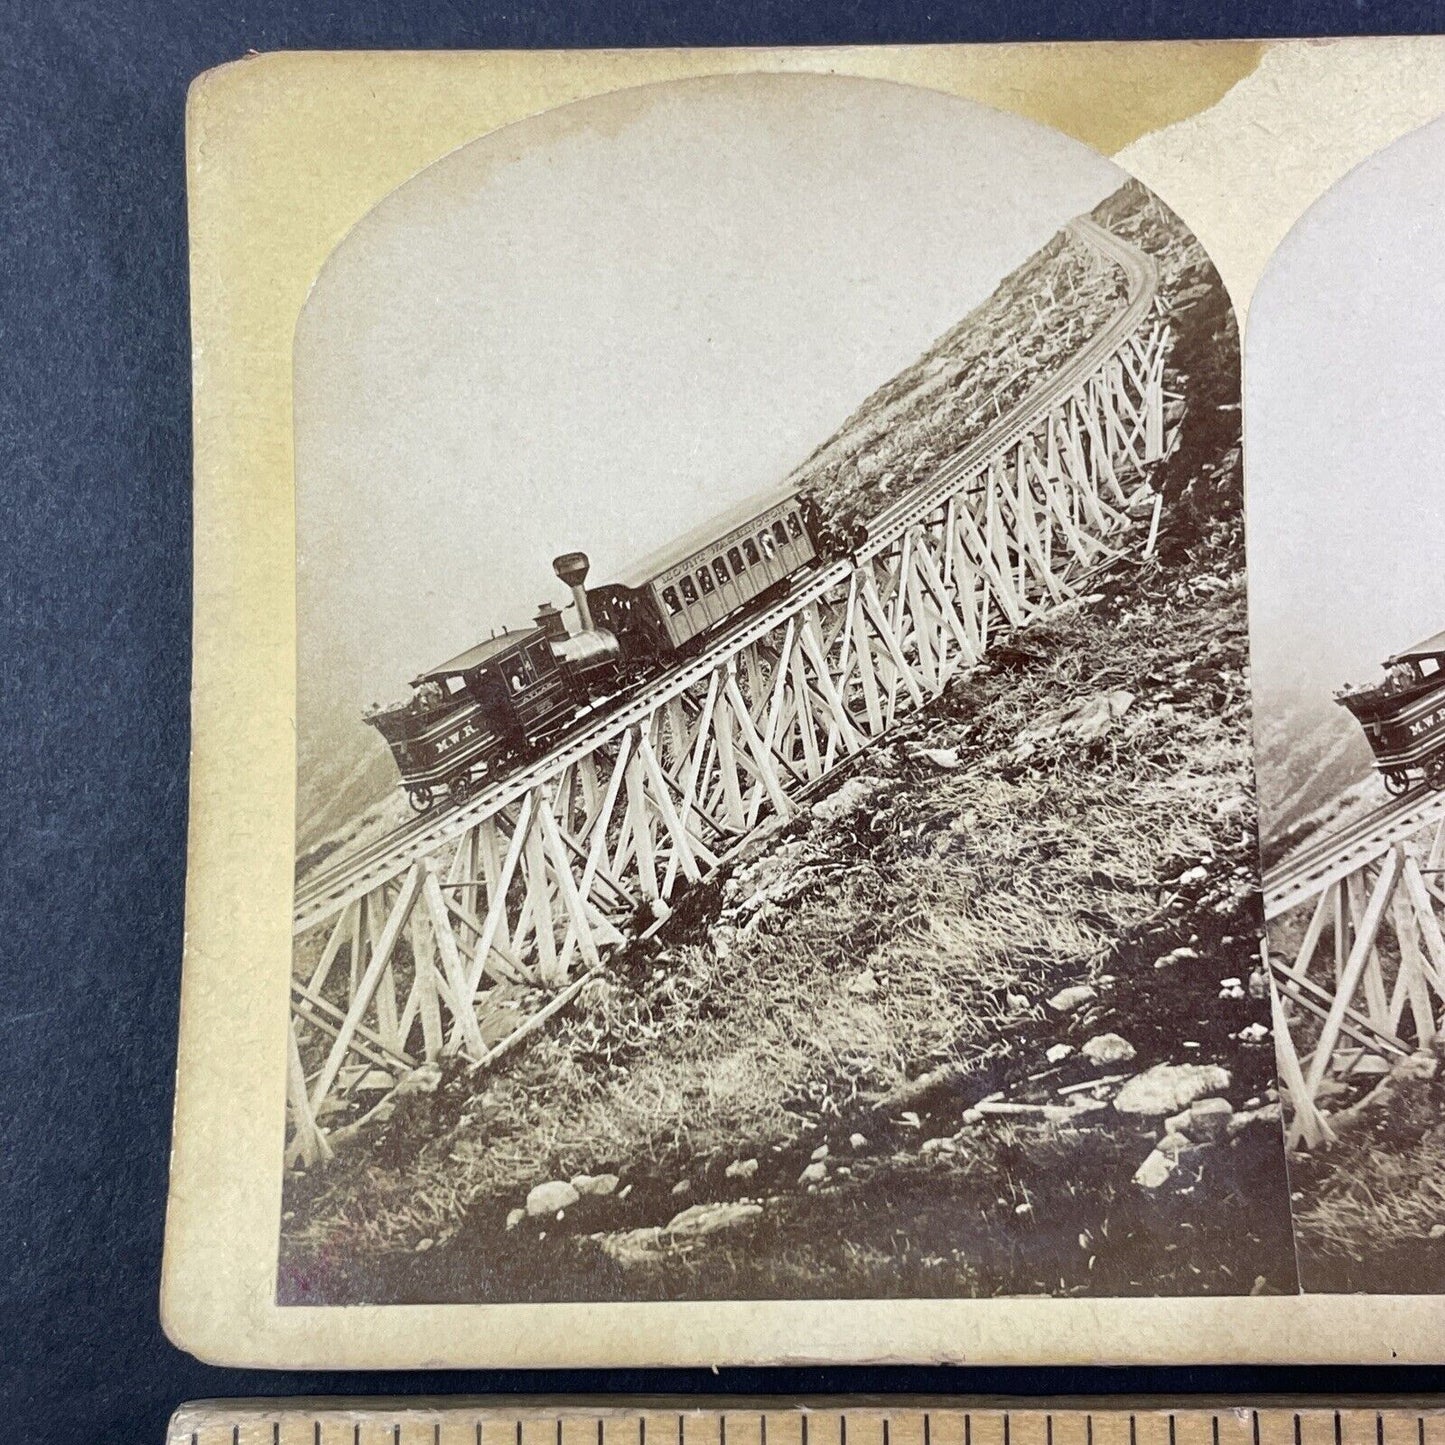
534	879
1359	971
1326	859
333	886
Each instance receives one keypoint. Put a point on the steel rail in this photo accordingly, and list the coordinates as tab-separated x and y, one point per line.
1312	868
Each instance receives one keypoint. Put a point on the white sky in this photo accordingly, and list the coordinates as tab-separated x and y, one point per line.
1345	427
595	328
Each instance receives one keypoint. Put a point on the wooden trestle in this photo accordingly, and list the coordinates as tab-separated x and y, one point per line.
534	881
1357	955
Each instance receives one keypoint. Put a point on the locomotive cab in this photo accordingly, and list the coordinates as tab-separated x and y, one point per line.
503	695
1403	716
513	679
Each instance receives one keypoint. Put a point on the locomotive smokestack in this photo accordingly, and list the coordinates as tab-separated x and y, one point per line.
571	568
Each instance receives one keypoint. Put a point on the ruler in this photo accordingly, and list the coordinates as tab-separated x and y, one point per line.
459	1420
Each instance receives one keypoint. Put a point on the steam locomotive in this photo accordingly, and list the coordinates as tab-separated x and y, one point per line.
512	696
1404	715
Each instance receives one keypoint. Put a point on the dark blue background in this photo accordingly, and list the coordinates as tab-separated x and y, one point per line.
94	630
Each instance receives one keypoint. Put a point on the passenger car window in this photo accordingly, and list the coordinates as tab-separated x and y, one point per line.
720	570
689	592
669	601
750	551
770	547
704	579
780	532
795	525
735	560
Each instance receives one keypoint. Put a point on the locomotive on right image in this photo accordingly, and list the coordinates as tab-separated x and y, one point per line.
1403	716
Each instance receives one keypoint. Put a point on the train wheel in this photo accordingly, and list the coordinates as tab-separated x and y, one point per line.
420	799
460	787
1435	771
1396	783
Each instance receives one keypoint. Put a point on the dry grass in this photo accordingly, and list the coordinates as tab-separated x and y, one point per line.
1366	1204
1033	321
922	925
958	893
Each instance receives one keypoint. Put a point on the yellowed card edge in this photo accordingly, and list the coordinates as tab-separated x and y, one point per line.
267	205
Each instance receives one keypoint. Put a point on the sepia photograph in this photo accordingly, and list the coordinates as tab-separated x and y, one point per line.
1347	607
775	809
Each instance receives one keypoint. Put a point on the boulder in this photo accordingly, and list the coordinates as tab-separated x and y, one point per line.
1067	1000
1371	1064
648	1246
1057	1053
814	1173
1209	1119
821	1152
633	1246
1176	956
595	1183
515	1217
548	1198
1155	1171
857	1141
741	1169
941	1145
1264	1114
425	1080
1167	1088
844	800
1108	1049
701	1219
945	758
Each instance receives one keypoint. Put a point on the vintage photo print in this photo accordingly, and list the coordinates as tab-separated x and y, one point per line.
1347	605
774	803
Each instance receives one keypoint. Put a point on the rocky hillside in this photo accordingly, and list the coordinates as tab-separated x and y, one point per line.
1035	319
956	389
1315	769
984	1019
